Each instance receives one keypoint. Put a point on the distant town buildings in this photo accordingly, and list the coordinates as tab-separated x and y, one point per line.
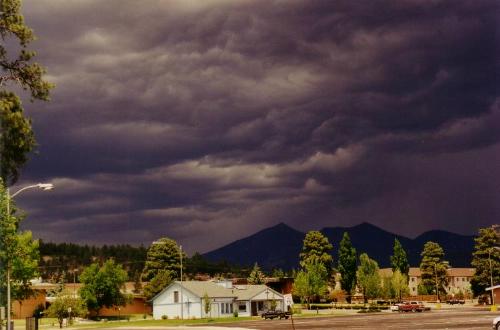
458	280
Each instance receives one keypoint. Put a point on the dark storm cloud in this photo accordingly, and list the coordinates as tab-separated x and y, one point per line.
180	118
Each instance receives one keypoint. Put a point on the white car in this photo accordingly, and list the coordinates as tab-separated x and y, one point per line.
395	307
496	323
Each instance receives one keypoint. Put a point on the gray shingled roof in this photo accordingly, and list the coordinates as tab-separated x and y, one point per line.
213	290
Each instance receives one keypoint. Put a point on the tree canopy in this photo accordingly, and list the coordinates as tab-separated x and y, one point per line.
17	70
399	259
163	254
368	277
18	252
399	283
162	279
311	282
316	249
433	269
256	275
347	265
18	66
65	306
486	250
101	285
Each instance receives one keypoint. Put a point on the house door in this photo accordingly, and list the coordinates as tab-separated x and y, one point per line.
253	308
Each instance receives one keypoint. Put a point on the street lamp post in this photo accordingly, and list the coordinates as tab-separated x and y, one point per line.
43	186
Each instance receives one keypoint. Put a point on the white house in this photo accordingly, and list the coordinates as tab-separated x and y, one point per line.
185	299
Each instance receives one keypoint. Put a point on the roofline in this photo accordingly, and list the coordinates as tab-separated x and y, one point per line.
493	287
184	287
168	287
267	288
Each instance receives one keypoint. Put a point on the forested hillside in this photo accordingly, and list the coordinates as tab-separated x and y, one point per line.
70	259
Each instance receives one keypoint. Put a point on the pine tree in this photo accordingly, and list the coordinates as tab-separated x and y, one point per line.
17	70
347	265
486	250
399	259
163	254
256	276
433	268
316	249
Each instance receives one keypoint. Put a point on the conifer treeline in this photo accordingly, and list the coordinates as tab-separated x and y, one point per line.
69	258
62	259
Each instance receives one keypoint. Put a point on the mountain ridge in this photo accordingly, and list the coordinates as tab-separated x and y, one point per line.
279	246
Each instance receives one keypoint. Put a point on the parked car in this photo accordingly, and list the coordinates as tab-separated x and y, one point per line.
455	301
275	314
395	307
496	323
412	306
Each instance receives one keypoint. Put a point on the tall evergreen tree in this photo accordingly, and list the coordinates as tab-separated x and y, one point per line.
347	265
163	254
486	260
433	269
316	249
256	275
17	70
399	259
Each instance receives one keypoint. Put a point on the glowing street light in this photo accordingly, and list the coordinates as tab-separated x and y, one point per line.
44	187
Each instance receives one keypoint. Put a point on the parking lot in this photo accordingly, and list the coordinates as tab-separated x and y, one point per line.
464	318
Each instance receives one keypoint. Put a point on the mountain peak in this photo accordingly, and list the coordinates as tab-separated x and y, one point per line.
279	246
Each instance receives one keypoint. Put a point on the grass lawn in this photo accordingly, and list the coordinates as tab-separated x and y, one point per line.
138	321
51	323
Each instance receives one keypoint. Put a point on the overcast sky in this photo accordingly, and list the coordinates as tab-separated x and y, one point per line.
206	121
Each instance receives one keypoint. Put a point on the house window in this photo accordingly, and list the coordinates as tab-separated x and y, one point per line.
413	279
242	307
226	308
176	296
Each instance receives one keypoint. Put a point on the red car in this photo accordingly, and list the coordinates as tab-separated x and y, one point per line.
413	306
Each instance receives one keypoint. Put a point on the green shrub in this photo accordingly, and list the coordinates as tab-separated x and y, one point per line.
164	317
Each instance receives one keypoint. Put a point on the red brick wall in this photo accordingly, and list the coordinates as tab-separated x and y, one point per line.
28	306
137	306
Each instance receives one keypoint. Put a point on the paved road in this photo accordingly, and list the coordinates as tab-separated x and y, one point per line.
464	318
448	319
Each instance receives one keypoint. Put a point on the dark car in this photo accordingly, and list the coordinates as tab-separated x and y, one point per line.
275	315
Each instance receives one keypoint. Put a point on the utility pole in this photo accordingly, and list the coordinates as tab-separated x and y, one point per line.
182	296
436	277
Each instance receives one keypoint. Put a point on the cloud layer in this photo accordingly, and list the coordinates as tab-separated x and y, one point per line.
206	121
